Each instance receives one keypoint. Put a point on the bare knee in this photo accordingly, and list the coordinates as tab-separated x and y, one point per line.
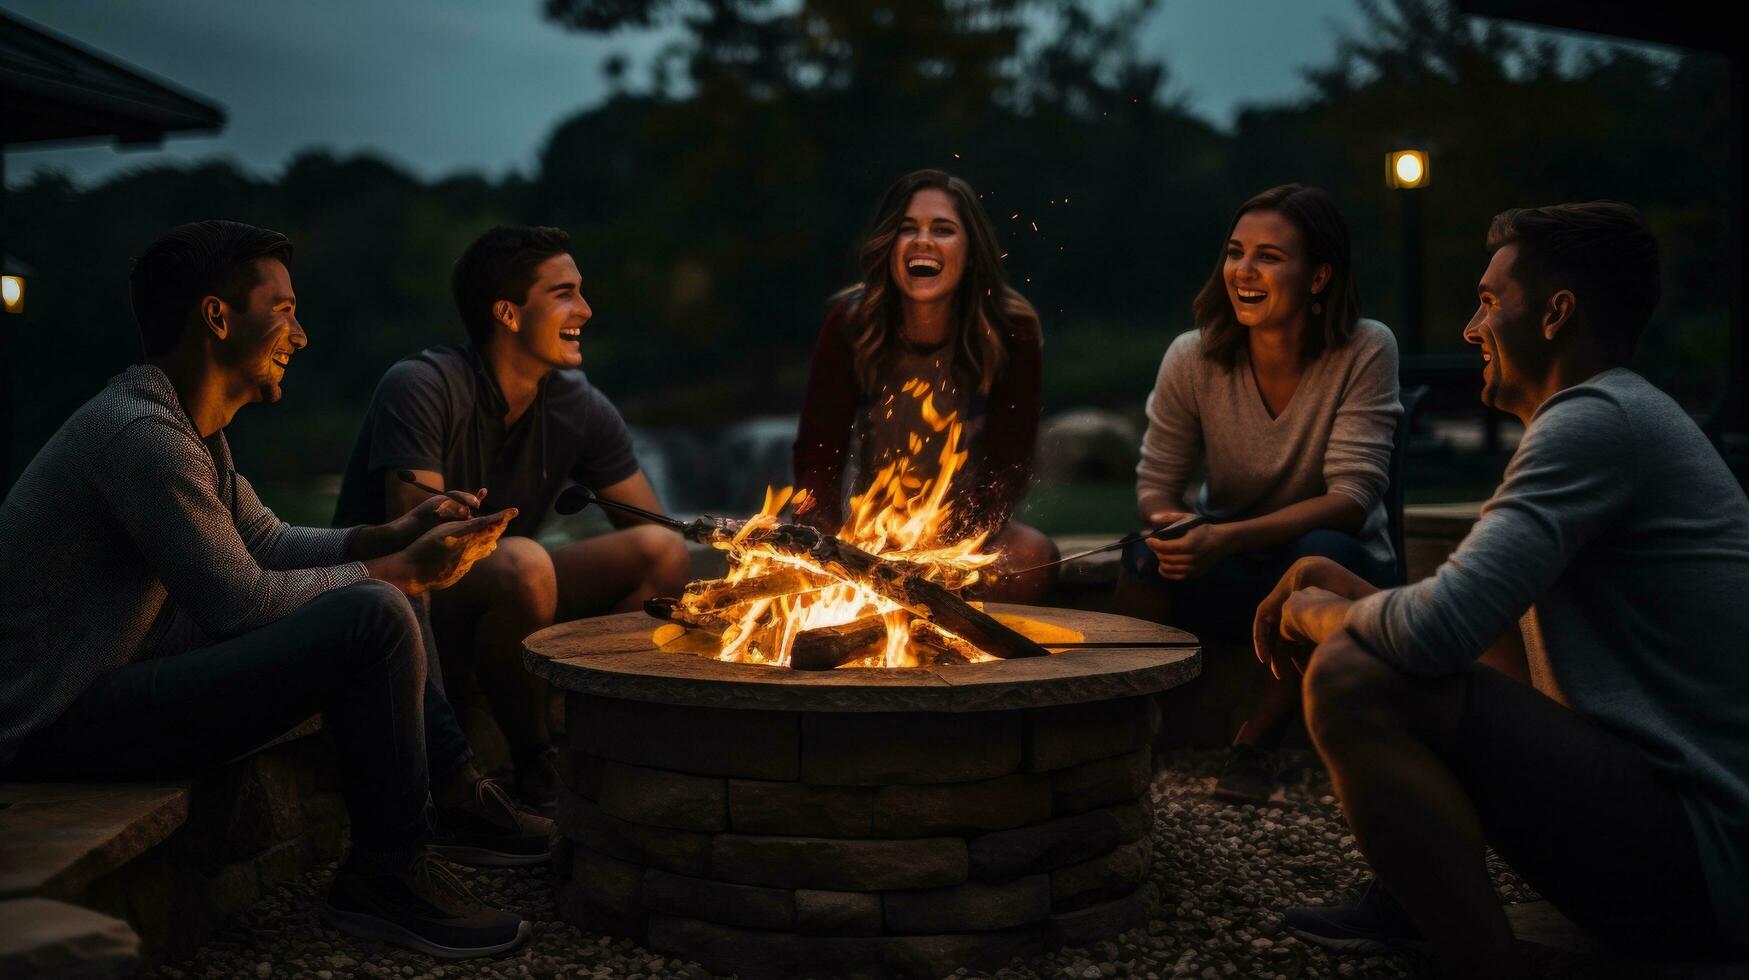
662	553
1027	546
519	576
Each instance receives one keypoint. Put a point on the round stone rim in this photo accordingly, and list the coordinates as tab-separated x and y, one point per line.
611	656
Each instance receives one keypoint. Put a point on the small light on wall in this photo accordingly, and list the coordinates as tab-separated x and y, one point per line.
1406	169
12	291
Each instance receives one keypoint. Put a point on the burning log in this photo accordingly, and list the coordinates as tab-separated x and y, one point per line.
936	638
672	611
708	597
835	646
891	580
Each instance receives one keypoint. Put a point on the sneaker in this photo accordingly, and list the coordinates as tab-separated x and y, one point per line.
1373	923
491	832
422	906
1247	777
538	781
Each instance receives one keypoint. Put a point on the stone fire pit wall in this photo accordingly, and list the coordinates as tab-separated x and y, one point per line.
781	841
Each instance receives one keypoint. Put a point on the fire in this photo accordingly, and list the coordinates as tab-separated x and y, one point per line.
902	516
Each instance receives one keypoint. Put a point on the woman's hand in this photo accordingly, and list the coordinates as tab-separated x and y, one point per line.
1191	553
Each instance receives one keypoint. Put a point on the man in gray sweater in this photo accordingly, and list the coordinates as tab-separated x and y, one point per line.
156	619
1614	559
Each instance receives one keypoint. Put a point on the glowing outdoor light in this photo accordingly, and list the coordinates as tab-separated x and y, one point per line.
12	291
1406	169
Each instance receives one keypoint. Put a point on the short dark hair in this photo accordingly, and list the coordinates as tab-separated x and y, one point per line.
499	265
191	262
1313	211
1600	250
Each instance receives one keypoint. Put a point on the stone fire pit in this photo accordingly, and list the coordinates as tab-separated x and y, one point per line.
864	821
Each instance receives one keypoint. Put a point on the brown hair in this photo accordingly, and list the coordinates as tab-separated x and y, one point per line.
1315	214
986	308
1601	250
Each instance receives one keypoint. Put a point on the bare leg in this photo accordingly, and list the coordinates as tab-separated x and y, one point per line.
1022	546
617	571
1375	727
1276	709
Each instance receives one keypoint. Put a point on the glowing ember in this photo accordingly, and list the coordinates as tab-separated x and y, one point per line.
770	597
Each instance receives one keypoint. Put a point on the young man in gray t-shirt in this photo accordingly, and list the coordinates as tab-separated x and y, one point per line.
1614	561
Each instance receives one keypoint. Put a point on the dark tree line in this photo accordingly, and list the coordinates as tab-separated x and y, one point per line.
715	212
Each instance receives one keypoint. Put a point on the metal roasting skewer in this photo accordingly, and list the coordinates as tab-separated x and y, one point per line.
577	496
1164	532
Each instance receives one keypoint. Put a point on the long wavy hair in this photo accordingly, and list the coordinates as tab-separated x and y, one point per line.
1324	234
986	309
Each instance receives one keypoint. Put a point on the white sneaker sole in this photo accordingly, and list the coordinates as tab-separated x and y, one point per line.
364	926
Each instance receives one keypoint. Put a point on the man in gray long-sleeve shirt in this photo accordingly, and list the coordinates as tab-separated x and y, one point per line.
1614	560
156	619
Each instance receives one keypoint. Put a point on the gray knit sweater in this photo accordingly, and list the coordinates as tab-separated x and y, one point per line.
1333	437
123	512
1619	542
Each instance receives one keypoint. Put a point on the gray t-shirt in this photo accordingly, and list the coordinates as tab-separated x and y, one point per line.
1333	437
1619	541
441	410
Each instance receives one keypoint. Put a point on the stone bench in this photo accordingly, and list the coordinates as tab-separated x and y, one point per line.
85	866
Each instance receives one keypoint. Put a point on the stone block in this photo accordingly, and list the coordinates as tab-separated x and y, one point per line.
284	861
828	913
1103	878
1066	735
840	865
660	798
576	905
747	906
752	954
1103	921
684	852
1103	782
959	808
58	838
1134	820
44	938
1004	855
608	881
876	748
582	773
971	907
749	744
326	822
798	809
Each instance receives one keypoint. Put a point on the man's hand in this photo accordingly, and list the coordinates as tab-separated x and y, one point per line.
1284	651
451	505
442	555
1190	554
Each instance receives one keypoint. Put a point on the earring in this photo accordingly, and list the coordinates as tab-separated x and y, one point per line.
1317	308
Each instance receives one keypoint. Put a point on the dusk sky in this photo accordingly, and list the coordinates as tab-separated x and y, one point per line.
441	86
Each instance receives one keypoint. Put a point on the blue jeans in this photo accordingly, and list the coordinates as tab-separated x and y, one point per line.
1220	603
354	654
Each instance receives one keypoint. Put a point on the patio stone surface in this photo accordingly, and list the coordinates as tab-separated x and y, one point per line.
1218	881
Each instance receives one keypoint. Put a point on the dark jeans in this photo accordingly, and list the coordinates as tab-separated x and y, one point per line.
1220	603
1582	814
354	654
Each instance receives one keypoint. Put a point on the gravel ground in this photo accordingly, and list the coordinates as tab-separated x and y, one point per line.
1223	875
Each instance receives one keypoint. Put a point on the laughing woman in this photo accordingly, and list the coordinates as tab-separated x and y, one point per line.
931	328
1289	400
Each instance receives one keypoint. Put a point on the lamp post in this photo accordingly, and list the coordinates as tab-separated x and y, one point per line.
1408	170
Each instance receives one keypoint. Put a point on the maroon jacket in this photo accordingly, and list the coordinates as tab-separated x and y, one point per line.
1002	454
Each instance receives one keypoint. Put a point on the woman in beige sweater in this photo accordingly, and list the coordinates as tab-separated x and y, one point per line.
1289	400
